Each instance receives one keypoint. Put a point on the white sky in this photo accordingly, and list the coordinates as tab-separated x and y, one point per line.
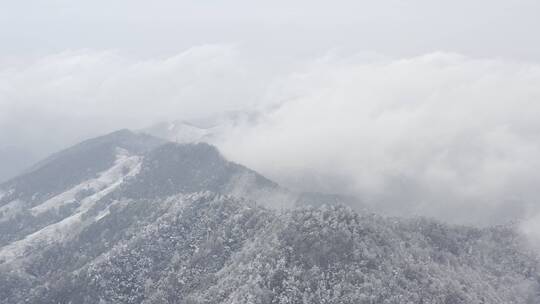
479	28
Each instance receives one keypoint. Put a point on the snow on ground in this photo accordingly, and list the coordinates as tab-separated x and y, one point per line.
103	213
4	193
180	132
185	133
125	166
116	174
10	209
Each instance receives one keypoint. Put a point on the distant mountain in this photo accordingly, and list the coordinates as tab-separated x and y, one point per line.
182	132
130	218
70	167
209	129
68	181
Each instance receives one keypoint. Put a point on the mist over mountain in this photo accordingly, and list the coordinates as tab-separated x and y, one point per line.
439	134
15	160
181	132
130	218
270	152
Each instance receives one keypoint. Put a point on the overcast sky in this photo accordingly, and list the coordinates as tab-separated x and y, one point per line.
492	28
432	104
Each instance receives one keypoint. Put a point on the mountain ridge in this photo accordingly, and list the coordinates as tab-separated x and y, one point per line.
210	248
162	222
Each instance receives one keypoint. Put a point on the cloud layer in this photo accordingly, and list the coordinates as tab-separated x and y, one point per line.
441	134
59	99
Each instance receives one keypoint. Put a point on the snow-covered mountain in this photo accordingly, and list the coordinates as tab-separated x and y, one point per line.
209	129
130	218
182	132
55	195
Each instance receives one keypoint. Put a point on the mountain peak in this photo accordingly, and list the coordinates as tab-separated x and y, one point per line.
180	132
72	166
128	218
188	149
185	168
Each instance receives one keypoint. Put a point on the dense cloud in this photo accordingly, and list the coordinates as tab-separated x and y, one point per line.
441	134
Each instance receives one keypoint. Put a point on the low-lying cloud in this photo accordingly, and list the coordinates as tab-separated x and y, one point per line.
441	134
116	90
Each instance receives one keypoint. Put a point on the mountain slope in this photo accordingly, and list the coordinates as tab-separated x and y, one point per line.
128	218
74	165
185	168
209	248
91	176
66	184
